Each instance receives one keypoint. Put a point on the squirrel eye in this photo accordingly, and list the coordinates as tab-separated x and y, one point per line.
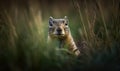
66	24
51	24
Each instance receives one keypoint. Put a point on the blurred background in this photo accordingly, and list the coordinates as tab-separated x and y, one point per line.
94	24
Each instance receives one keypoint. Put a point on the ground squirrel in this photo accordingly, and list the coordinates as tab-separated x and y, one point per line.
59	29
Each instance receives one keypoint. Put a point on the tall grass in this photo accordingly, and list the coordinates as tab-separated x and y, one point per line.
23	36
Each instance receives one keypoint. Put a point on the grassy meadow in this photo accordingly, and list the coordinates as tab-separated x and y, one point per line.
94	24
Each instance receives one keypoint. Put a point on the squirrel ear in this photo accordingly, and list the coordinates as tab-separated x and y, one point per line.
51	18
50	21
65	17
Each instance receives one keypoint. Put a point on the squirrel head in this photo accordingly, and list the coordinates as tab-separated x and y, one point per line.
58	27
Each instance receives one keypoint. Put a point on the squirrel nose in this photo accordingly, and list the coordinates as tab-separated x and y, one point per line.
59	30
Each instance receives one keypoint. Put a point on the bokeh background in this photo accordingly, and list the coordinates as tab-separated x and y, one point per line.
94	24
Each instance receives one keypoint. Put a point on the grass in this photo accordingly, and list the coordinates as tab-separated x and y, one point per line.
95	27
